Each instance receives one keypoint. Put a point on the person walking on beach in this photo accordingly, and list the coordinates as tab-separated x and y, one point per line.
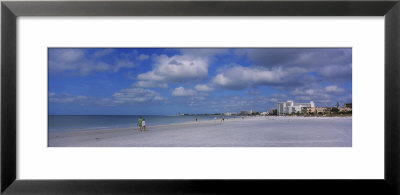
139	123
196	118
144	124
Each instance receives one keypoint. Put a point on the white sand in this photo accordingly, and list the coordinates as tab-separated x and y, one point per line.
250	132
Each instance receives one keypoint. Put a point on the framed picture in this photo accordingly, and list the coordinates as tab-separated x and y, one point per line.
141	93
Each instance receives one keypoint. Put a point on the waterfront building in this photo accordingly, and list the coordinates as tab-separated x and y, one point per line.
290	107
264	113
325	110
322	109
345	109
272	112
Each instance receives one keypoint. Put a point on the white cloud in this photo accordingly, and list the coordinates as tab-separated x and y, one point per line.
300	57
273	100
101	53
67	55
317	92
203	87
150	84
136	95
79	62
180	91
196	101
324	96
333	64
122	64
151	76
158	98
177	68
62	100
334	89
336	71
310	91
124	96
89	67
66	98
143	57
238	103
239	77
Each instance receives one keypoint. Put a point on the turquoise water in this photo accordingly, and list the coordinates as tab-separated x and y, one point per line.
59	123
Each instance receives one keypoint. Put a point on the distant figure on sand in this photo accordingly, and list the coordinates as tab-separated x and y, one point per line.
139	123
222	119
144	124
196	118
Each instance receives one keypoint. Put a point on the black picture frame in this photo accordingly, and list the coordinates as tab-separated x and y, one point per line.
11	10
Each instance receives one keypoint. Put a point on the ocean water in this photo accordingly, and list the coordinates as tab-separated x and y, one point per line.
58	123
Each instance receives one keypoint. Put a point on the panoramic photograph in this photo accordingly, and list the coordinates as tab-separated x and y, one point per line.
199	97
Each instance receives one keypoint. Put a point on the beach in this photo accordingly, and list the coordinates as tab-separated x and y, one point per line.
258	131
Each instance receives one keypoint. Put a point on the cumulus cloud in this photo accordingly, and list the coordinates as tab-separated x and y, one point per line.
324	96
102	52
122	64
66	98
309	57
332	63
238	103
334	89
143	57
343	72
320	75
136	95
239	77
150	84
90	67
123	96
80	62
178	68
308	92
180	91
196	101
203	88
66	55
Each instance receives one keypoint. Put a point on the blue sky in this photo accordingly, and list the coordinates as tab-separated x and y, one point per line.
168	81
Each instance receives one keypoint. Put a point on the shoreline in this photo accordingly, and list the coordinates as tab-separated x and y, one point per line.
248	132
218	120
